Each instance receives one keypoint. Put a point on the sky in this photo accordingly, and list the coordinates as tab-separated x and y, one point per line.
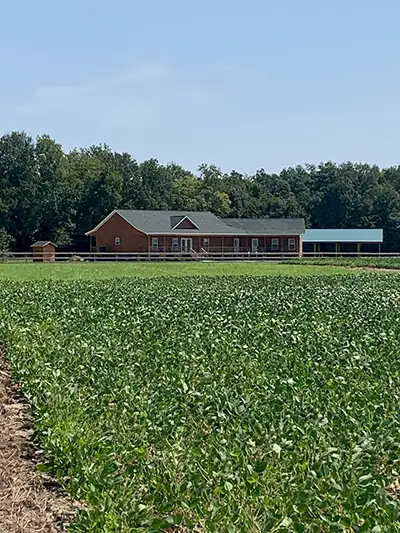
240	84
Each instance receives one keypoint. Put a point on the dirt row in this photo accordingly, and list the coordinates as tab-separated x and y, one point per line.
30	502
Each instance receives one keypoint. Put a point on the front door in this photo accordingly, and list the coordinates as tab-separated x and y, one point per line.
254	245
236	245
186	245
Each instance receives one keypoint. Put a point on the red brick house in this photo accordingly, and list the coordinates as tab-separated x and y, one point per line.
191	232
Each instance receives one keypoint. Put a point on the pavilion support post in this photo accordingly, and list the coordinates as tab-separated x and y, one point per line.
222	244
358	248
379	249
315	248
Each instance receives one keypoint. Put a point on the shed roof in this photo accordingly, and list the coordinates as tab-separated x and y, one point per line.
343	235
268	226
41	244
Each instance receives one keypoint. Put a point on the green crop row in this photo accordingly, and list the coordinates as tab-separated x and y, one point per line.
392	263
215	404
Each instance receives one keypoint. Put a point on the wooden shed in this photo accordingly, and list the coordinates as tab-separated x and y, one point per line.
44	251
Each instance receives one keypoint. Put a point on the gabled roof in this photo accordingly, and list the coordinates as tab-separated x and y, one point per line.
343	235
163	222
176	222
41	244
268	226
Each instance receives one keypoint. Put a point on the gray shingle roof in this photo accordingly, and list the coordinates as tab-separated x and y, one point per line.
164	221
205	223
39	244
268	226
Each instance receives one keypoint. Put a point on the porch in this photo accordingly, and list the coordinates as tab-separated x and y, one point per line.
225	244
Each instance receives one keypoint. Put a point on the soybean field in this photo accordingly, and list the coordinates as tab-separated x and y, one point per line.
215	404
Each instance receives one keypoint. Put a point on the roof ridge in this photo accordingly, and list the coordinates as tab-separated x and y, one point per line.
263	218
181	211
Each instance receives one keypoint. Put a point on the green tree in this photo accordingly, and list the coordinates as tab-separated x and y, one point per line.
98	186
386	214
57	201
6	241
46	193
20	188
188	193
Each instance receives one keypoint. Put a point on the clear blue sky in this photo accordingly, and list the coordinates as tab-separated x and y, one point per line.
241	84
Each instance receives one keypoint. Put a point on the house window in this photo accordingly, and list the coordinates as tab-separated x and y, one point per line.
292	244
175	243
206	241
117	241
236	244
154	243
274	245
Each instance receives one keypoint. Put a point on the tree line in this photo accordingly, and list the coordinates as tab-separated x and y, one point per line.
46	193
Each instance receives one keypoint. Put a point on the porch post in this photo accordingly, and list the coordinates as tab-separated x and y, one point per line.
315	248
222	243
358	248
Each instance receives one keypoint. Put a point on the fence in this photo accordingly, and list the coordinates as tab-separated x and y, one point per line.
27	257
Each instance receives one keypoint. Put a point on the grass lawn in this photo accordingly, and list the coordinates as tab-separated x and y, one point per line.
72	271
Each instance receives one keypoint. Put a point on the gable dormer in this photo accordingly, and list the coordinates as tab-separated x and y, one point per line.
182	222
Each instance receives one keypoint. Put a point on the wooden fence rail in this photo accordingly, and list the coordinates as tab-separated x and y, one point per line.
27	257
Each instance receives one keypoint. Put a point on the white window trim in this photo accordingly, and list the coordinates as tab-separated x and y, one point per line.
274	244
206	241
292	244
117	241
154	242
175	242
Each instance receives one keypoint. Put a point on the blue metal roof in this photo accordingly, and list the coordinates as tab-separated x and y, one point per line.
343	235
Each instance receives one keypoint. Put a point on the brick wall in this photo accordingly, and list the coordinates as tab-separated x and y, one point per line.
131	240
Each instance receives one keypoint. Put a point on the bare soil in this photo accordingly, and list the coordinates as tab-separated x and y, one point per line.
30	502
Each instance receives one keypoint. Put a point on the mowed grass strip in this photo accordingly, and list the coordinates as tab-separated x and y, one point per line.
223	404
108	270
